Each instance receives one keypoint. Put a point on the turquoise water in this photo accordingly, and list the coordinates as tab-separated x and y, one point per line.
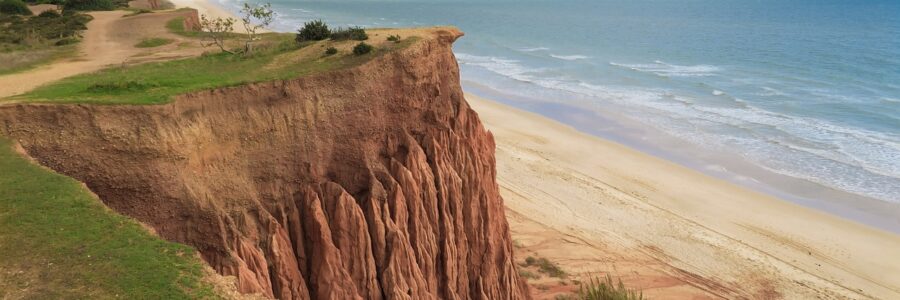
806	90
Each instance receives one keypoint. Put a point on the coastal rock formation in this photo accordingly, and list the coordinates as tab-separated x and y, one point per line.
374	182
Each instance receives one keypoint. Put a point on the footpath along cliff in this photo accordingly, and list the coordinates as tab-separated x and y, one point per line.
373	182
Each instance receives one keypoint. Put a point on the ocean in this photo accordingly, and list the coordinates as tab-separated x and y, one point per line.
799	99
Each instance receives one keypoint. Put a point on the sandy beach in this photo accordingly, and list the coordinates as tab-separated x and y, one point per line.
597	207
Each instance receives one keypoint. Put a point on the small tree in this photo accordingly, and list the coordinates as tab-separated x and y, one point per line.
216	31
313	31
255	17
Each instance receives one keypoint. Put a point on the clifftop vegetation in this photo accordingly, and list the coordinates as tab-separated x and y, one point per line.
276	56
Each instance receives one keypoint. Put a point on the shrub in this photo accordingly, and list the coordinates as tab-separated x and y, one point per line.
394	38
362	48
551	269
14	7
597	289
330	51
528	275
352	33
65	41
313	31
89	5
530	261
49	14
48	26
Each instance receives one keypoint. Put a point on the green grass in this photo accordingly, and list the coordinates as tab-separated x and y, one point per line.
545	266
153	42
58	242
155	83
176	26
605	289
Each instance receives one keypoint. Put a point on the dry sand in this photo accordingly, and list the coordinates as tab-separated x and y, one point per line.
598	207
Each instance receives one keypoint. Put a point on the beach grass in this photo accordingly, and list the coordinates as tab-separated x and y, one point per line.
58	241
19	60
606	289
545	266
278	57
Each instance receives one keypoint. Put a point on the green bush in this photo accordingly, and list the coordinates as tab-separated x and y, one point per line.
528	275
313	31
65	41
36	2
550	268
362	48
14	7
352	33
48	26
90	5
597	289
394	38
49	14
330	51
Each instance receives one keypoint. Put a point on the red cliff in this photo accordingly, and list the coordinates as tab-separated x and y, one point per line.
375	182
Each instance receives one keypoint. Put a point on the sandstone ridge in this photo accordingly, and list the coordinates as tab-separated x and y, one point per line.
375	182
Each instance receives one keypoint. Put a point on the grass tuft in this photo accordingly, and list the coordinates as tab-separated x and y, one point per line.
605	289
153	42
545	266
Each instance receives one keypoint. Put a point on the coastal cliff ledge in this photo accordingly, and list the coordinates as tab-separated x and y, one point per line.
372	182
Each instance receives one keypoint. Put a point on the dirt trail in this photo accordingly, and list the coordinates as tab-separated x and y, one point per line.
109	40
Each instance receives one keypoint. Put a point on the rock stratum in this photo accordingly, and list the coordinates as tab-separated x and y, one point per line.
373	182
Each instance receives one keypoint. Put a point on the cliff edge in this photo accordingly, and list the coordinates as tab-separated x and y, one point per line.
373	182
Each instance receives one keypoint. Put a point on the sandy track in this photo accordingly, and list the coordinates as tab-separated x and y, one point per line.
109	40
597	207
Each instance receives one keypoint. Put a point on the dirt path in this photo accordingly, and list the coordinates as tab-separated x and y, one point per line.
109	40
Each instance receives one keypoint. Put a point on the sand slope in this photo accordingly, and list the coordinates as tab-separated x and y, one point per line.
596	206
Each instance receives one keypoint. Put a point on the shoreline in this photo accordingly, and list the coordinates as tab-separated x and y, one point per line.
717	238
729	167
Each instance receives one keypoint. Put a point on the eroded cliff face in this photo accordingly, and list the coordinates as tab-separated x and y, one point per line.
375	182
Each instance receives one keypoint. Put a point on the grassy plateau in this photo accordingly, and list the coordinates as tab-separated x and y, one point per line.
277	57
